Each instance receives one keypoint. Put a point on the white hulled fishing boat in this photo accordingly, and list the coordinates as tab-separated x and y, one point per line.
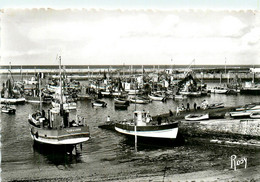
55	128
141	126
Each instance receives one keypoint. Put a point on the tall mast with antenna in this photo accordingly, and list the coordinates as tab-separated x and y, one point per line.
61	99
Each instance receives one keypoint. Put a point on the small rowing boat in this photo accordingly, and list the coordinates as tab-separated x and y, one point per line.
196	117
8	109
255	115
99	103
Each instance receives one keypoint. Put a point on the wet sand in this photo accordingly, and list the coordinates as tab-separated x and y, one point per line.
130	174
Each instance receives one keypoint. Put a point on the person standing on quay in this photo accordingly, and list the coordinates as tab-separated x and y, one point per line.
188	107
195	106
177	111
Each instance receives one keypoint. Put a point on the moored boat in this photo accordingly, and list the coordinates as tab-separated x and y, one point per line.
246	111
144	128
99	103
13	100
219	90
156	97
139	100
191	94
196	117
55	128
6	108
216	105
255	115
121	101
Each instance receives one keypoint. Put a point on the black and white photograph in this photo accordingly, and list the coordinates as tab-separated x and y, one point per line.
142	92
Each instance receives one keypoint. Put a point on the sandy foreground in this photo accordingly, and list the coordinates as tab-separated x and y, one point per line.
129	174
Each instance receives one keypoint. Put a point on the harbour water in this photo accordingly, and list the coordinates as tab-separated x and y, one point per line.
109	155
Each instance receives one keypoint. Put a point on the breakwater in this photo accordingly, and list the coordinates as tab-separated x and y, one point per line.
84	73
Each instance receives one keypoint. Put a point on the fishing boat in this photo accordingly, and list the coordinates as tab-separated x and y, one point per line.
55	128
99	103
6	108
246	111
141	126
11	95
255	115
156	97
196	117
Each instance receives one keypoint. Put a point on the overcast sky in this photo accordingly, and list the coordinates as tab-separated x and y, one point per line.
96	36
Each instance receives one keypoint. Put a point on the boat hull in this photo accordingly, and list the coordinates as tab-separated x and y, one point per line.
191	94
8	111
139	101
12	100
64	136
168	131
194	117
156	98
244	113
250	91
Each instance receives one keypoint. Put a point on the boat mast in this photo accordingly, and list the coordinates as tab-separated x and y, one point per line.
61	99
40	93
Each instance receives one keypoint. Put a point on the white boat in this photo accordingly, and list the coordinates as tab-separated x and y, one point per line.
32	81
156	97
106	93
8	109
138	100
99	103
216	105
246	111
219	90
13	100
55	128
121	101
145	129
191	94
196	117
255	115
